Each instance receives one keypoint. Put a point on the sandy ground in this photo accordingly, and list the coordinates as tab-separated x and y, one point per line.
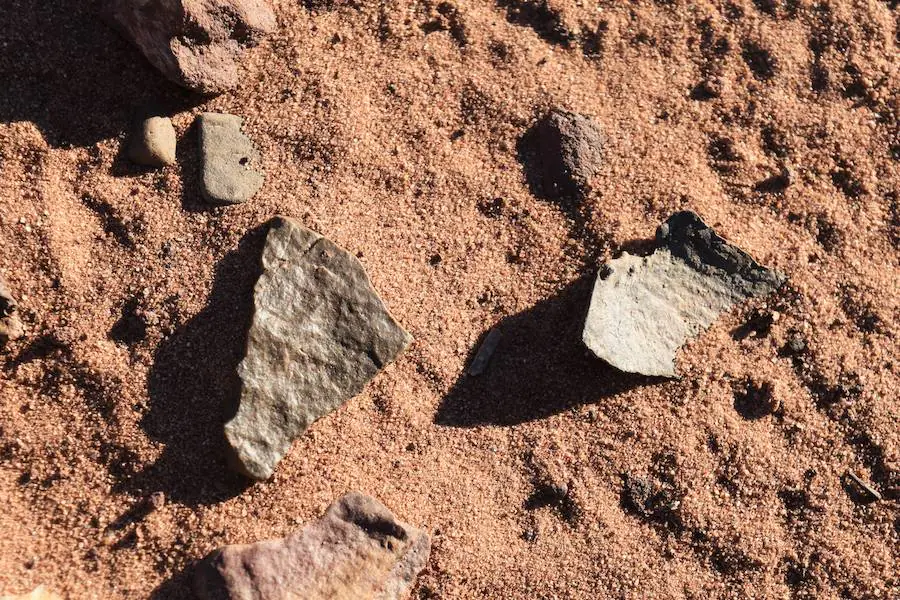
392	128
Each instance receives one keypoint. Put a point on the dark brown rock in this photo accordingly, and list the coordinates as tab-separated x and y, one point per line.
563	153
357	551
196	44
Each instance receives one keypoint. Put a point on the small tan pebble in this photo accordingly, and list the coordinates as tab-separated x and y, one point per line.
154	142
39	593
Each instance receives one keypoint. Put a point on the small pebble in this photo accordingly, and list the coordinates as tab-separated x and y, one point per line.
153	144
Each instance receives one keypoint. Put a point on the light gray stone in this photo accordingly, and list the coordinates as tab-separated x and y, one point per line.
644	308
319	334
153	144
198	45
11	326
357	551
229	160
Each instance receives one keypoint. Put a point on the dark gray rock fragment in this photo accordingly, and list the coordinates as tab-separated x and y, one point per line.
644	308
357	550
229	160
319	334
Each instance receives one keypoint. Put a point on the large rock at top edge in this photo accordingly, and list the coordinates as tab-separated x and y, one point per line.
319	334
198	44
644	308
356	551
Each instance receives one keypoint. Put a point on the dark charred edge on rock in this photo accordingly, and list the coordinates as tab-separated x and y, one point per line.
689	238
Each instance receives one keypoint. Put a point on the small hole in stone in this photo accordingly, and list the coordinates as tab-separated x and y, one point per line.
244	161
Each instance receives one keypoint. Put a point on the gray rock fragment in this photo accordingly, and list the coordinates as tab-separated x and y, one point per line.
11	326
319	334
485	353
153	144
198	45
357	551
228	158
644	308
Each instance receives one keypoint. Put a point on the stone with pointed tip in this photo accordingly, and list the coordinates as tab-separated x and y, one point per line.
319	334
644	308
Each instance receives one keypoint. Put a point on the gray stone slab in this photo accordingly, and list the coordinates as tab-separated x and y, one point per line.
319	334
228	159
643	309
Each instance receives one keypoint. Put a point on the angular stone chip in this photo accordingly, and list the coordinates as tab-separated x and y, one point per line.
319	334
644	308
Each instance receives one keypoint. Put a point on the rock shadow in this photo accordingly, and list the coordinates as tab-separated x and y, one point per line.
540	368
179	586
194	389
64	68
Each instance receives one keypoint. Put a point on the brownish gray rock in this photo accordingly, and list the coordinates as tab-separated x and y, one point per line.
229	160
319	334
644	308
196	44
153	143
357	551
11	326
563	152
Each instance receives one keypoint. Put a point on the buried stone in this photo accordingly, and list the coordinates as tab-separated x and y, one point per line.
357	550
319	334
644	308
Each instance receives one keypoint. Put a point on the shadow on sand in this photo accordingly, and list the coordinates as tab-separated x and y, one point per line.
194	389
540	368
69	72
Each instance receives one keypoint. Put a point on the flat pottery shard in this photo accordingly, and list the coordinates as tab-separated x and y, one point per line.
198	45
357	551
644	308
228	160
319	334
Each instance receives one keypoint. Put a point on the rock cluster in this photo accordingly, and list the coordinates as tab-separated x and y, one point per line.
644	308
357	550
319	334
197	45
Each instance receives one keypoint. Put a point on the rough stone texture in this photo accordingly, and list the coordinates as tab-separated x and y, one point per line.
568	148
228	160
153	144
11	326
357	551
319	334
39	593
196	44
644	308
